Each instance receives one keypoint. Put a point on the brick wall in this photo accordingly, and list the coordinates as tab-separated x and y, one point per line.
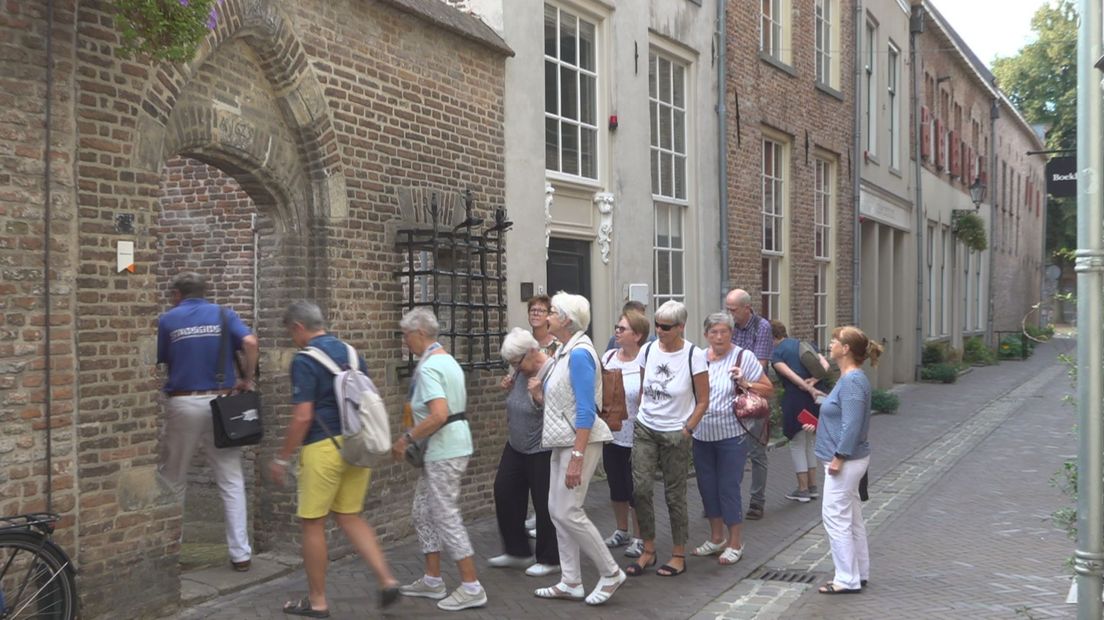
787	101
23	385
320	111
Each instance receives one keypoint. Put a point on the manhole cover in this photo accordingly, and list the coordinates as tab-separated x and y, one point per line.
788	575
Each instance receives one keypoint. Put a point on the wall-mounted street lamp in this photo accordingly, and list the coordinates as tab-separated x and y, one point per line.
977	192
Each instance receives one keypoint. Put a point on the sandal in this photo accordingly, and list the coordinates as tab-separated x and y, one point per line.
302	607
670	571
636	569
605	588
561	591
710	548
831	588
730	556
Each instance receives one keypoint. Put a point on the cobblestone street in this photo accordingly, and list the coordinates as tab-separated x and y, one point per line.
959	520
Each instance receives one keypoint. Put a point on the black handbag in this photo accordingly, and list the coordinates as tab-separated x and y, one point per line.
236	417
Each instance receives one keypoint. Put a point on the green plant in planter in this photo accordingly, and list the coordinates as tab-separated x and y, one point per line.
165	29
933	353
970	229
975	352
884	401
942	373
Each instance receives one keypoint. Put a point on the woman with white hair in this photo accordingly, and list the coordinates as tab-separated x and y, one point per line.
570	391
438	400
525	466
672	403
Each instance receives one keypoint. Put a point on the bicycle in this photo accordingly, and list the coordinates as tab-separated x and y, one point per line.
37	578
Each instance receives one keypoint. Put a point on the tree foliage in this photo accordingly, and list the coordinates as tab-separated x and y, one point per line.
164	29
1041	81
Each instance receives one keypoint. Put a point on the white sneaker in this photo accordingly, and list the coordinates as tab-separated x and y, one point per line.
542	570
509	561
531	523
619	538
419	588
462	599
533	533
635	548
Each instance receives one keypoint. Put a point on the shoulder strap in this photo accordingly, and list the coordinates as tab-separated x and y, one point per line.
647	350
609	357
353	363
320	356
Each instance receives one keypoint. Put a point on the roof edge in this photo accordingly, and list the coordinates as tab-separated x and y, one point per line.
454	20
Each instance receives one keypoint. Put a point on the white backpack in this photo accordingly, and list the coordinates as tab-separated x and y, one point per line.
364	421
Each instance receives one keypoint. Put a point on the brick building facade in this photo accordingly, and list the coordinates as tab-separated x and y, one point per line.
311	116
790	122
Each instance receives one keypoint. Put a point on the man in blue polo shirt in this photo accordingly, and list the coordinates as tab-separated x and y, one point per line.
188	345
753	332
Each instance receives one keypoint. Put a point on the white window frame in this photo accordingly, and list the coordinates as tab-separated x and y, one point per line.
669	257
871	77
979	308
967	256
774	29
774	207
931	280
578	125
823	216
671	156
893	74
824	43
946	279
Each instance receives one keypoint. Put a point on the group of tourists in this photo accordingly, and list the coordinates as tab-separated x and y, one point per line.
679	400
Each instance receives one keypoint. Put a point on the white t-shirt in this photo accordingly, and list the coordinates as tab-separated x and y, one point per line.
667	396
630	378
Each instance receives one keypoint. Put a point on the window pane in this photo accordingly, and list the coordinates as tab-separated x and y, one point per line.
653	88
551	89
663	227
655	171
569	134
679	86
679	118
666	180
588	99
664	80
567	37
676	273
663	273
676	227
586	45
768	232
665	127
680	177
654	124
551	144
568	93
550	31
590	152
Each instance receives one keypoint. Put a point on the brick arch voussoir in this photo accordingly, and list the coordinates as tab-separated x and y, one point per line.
299	96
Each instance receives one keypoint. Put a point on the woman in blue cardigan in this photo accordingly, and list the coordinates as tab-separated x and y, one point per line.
842	446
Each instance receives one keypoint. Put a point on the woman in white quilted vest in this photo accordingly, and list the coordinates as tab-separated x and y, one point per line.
570	390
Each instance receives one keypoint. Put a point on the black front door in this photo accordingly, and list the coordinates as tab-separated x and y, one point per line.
569	267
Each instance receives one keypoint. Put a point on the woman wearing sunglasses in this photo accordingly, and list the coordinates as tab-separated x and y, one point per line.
673	399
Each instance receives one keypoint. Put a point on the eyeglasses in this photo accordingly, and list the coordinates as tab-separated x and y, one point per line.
537	311
619	328
665	326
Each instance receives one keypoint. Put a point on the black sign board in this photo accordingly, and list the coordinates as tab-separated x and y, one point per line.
1061	175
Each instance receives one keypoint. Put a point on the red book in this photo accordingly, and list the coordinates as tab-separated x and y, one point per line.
807	418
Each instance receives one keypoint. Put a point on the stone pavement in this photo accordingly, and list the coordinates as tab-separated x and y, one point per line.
961	529
912	481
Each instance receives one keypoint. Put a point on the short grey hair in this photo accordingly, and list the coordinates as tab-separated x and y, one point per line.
516	344
190	284
740	297
719	318
672	311
306	313
573	309
420	320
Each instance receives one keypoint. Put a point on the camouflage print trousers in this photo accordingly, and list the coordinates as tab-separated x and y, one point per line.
668	452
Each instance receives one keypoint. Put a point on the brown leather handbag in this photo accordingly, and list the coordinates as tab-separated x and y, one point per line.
614	411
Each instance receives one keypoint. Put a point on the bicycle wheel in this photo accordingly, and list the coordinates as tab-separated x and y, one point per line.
36	578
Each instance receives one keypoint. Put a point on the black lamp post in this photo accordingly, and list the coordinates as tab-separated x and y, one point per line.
977	192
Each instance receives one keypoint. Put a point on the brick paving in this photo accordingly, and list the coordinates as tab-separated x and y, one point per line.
1008	555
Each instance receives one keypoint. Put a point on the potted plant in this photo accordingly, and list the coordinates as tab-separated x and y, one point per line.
970	229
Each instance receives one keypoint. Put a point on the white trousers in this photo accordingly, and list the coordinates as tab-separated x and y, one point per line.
574	530
843	521
187	426
801	452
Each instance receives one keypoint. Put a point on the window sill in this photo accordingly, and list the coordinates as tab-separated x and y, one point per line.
896	172
828	90
777	64
871	159
570	180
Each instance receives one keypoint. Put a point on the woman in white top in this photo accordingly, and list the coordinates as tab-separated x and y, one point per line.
673	399
630	333
721	441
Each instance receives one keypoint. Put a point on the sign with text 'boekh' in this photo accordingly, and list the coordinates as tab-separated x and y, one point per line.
1061	175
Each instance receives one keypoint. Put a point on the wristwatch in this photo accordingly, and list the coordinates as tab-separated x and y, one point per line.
575	454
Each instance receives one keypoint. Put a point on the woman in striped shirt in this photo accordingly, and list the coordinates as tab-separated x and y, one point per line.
721	442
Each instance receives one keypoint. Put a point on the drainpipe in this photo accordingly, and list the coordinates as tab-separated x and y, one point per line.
916	26
46	234
1089	264
722	139
994	114
856	177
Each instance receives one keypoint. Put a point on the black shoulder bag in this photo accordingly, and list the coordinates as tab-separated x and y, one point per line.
236	417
